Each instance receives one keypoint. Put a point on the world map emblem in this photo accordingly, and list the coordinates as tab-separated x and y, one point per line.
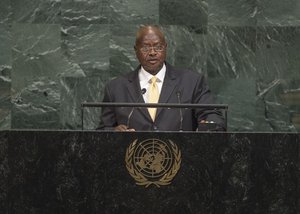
153	161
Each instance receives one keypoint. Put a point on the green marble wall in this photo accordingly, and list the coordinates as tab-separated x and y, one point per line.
56	54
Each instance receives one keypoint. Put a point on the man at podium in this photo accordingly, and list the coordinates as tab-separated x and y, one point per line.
156	81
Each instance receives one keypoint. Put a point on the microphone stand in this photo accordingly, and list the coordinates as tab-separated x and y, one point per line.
180	110
143	91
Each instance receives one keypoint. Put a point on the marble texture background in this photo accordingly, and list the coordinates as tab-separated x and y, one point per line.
56	54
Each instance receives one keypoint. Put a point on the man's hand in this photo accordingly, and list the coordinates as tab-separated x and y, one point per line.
123	128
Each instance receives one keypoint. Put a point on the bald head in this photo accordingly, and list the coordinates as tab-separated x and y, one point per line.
149	30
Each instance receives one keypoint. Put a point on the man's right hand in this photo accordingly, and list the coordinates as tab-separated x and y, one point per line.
123	128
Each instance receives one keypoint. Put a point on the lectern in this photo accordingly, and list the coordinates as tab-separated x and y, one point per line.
148	172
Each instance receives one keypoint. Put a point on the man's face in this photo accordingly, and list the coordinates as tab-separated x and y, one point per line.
150	50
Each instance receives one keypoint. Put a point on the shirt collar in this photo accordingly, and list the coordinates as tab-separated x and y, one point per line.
147	76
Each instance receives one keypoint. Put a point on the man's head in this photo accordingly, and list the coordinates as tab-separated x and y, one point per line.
150	48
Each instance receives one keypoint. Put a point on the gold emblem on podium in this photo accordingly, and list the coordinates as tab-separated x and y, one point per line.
153	161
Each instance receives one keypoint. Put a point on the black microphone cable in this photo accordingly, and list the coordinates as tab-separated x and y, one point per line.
143	91
178	93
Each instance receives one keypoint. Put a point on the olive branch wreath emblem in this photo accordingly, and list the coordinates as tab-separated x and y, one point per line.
143	180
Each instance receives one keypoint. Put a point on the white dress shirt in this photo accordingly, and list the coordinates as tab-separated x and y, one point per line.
145	78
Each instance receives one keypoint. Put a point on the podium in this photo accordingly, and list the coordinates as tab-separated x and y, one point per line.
87	172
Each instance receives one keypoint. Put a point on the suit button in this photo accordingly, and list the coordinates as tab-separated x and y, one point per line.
155	128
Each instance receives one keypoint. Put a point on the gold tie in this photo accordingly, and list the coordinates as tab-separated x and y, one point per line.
153	96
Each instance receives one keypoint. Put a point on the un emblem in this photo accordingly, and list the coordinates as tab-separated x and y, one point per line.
153	161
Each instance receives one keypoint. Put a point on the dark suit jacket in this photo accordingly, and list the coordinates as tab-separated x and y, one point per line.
192	87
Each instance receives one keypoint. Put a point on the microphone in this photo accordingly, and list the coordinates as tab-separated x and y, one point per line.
143	91
178	93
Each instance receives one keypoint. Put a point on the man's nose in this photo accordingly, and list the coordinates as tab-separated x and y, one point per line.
152	51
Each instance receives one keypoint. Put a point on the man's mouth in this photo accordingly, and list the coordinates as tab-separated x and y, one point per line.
152	61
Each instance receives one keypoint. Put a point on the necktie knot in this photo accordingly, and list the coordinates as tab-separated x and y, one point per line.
153	80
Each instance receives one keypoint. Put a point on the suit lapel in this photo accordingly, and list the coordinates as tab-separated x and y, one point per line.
134	89
168	87
133	86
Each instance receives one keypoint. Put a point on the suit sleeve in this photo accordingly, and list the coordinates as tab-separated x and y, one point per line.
202	95
108	118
